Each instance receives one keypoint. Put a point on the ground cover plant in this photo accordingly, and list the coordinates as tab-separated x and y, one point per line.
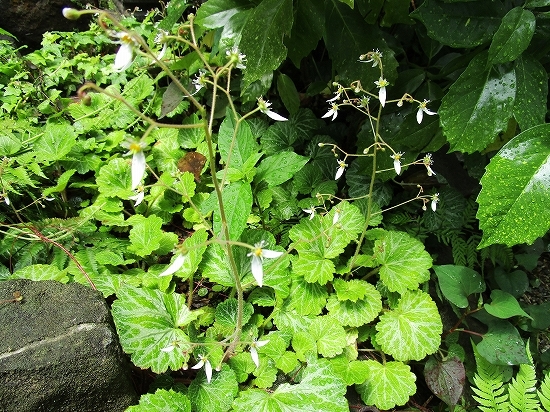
294	206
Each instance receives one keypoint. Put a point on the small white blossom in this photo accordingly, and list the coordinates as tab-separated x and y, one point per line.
258	255
381	84
310	212
264	108
135	149
333	111
423	109
373	57
207	367
125	54
139	196
236	57
427	160
199	81
337	95
340	171
435	200
160	38
254	352
397	161
6	199
175	265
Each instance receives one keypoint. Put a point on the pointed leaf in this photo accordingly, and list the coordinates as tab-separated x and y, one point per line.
307	29
478	105
413	329
236	147
387	385
531	94
513	36
457	283
279	168
237	198
502	344
445	379
262	40
504	306
513	200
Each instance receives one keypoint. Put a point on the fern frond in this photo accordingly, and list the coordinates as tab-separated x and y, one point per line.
544	393
522	390
498	254
489	386
460	249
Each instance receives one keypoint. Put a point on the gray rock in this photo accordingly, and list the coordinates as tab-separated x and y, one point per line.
59	351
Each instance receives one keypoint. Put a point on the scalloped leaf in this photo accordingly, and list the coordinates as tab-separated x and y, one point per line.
353	289
413	329
114	179
313	268
145	234
329	335
226	314
358	313
215	396
306	297
147	321
403	259
387	385
514	195
457	283
41	272
320	390
162	401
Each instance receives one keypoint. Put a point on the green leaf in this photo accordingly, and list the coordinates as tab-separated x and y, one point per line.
262	40
531	92
504	306
387	385
353	289
217	13
41	272
308	298
279	168
62	182
354	372
460	24
236	148
147	321
413	329
215	396
502	344
237	198
162	401
145	234
320	390
288	93
478	105
347	37
457	283
226	313
56	141
307	30
356	313
513	36
513	200
329	335
195	245
114	179
313	268
173	11
403	259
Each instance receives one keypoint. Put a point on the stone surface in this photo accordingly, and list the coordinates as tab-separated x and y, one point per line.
59	351
29	19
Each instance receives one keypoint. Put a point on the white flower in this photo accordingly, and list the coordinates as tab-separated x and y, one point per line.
6	199
135	149
381	84
200	80
375	57
333	111
125	54
340	171
236	57
139	196
207	367
258	255
337	94
254	351
427	160
423	109
264	108
336	216
435	200
70	14
160	38
310	212
397	161
174	266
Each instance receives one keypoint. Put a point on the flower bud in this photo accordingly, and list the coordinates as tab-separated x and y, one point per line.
70	14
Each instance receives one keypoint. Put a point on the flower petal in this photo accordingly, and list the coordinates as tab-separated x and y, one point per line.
124	57
271	254
382	96
339	173
257	270
397	166
208	370
419	115
254	356
276	116
174	266
198	365
138	168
